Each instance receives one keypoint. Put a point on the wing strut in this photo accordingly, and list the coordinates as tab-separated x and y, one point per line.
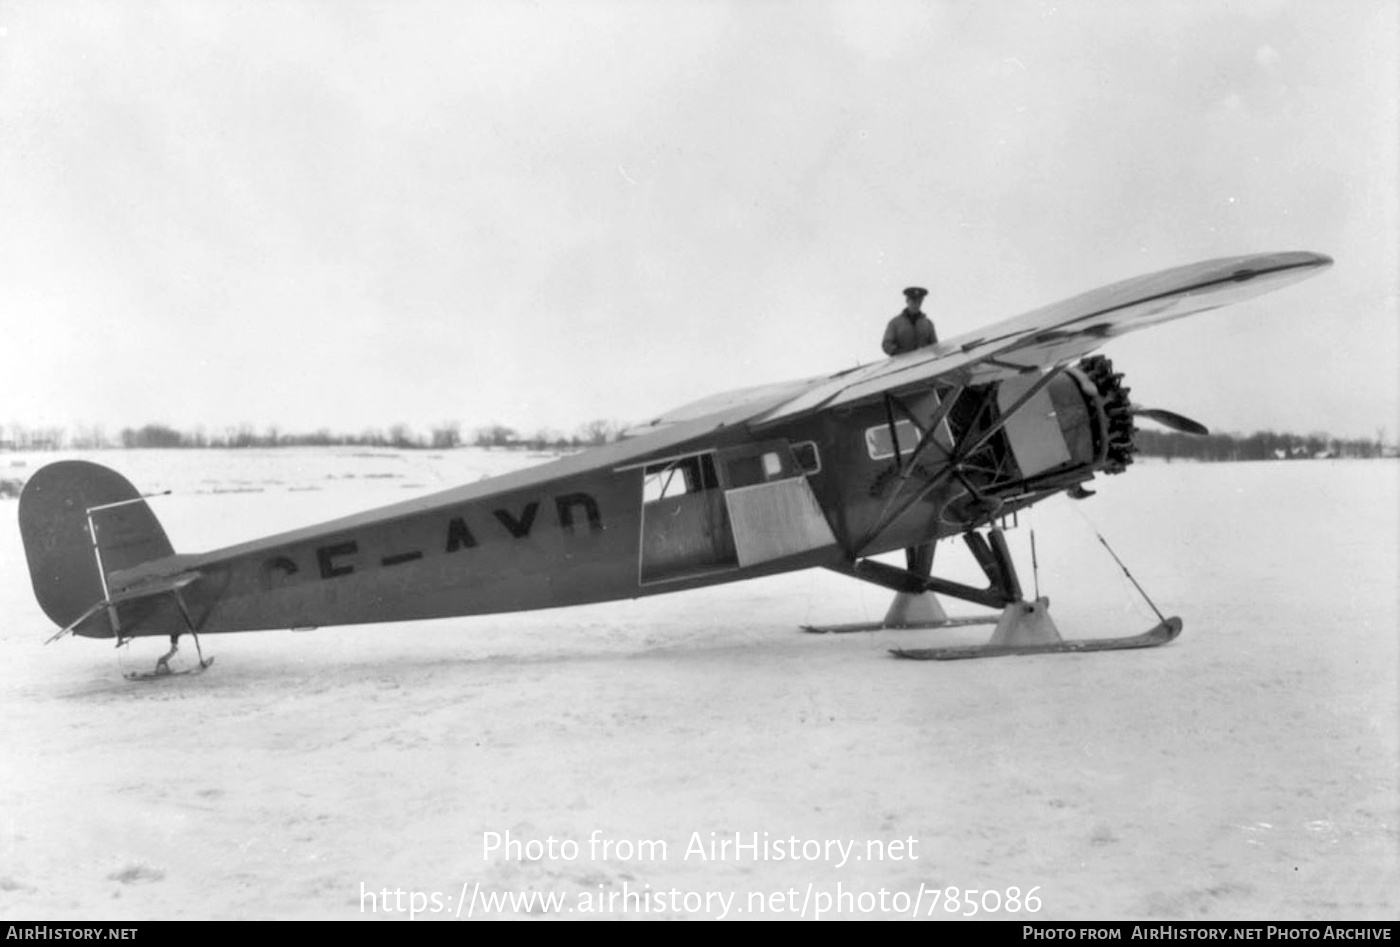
961	453
894	432
926	439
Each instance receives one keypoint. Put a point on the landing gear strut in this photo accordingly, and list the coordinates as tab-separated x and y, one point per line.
915	605
162	668
163	662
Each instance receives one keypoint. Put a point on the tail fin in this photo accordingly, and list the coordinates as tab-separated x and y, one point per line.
80	522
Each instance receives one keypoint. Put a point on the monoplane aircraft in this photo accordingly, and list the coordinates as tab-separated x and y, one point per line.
824	472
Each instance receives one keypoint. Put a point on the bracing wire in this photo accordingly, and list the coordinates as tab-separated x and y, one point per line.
1141	591
1035	566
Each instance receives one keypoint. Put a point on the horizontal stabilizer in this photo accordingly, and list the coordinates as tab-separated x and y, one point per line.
172	583
159	586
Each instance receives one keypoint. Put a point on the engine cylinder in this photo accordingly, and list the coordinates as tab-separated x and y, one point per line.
1113	430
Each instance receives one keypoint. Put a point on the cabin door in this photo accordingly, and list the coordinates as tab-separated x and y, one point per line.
685	522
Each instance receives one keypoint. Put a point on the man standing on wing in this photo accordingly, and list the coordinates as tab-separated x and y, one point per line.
911	329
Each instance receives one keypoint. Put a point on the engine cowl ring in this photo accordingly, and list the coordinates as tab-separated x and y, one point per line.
1116	431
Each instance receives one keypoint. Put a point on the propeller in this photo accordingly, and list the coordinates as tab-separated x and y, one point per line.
1170	419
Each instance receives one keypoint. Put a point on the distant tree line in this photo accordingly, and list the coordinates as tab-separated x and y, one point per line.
1261	445
440	437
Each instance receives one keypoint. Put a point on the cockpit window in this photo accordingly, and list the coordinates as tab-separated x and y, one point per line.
879	445
807	457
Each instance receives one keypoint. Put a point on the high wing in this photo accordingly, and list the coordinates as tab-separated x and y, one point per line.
1061	332
737	405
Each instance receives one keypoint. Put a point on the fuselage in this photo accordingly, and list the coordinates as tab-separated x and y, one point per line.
619	522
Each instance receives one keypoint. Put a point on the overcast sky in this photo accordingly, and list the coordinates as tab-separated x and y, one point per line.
346	214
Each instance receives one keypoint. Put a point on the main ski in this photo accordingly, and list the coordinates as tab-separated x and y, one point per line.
1155	637
881	626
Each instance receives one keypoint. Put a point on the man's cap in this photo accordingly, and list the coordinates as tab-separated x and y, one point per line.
915	292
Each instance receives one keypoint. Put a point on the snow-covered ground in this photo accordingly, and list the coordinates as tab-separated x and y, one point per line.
1247	771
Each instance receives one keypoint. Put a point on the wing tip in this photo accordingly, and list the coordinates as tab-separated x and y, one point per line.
1305	259
1291	265
1308	258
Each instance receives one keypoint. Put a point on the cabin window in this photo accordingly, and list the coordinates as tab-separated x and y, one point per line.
879	445
808	460
676	478
751	465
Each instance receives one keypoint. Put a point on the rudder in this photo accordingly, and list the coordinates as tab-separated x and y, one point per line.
55	509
